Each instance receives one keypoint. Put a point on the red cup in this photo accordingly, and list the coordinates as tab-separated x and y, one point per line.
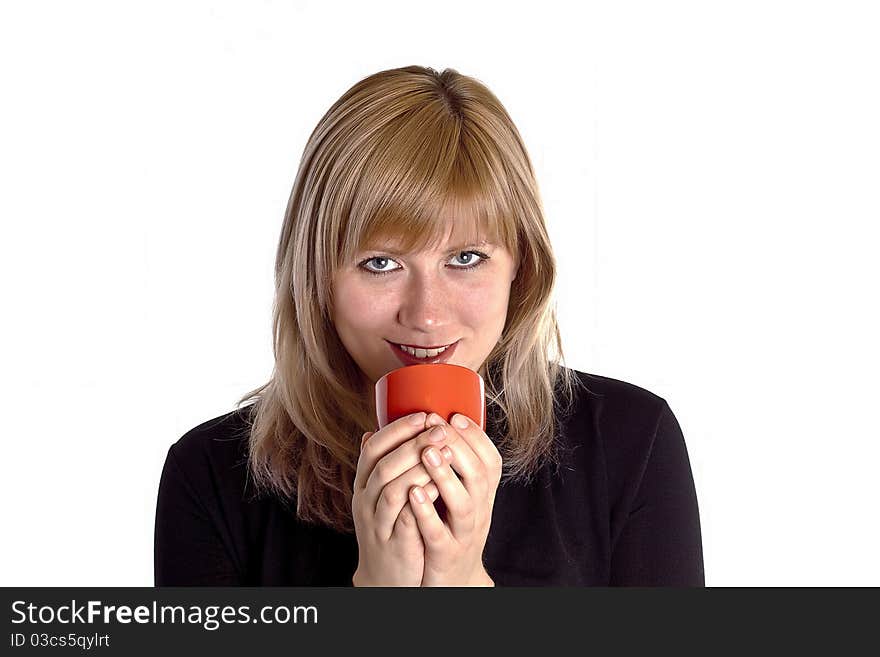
438	388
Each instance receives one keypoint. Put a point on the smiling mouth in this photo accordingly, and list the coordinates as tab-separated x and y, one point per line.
421	346
422	355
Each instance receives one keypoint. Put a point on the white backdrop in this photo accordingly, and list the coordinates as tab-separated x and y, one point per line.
710	177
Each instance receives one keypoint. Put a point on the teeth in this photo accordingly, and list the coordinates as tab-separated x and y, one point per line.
423	353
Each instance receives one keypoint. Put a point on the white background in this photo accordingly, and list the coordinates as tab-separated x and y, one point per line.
710	177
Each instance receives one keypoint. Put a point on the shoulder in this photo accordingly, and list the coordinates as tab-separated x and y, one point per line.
209	452
626	427
222	435
623	416
614	397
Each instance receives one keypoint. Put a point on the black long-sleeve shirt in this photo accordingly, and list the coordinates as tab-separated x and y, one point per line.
621	510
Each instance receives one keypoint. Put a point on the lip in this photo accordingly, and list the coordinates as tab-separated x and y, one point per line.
406	359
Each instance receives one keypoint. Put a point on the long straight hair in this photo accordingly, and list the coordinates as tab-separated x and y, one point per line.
401	152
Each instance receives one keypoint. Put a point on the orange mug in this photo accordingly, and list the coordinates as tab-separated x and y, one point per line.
434	387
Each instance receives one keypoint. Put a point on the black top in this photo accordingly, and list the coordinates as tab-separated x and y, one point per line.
621	510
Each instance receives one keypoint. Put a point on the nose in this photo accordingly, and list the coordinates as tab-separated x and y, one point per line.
426	305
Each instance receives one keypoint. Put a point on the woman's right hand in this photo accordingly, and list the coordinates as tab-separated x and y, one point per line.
390	547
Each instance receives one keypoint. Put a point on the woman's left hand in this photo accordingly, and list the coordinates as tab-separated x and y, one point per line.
454	549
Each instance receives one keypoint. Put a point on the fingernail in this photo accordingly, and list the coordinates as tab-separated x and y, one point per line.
437	434
432	457
419	494
434	419
418	418
460	421
447	453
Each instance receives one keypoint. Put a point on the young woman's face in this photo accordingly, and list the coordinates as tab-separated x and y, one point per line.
425	299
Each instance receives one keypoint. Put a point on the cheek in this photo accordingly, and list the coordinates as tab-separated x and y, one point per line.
484	305
354	305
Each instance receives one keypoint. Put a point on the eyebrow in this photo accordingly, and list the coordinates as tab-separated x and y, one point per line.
457	247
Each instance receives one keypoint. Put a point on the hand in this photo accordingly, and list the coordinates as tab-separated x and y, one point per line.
390	547
454	548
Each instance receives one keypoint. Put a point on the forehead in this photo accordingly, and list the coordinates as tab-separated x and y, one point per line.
399	245
444	233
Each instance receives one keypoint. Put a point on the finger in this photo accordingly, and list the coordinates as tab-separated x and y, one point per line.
381	442
394	496
407	520
435	420
432	491
406	526
478	441
390	467
432	529
459	504
402	458
466	462
385	514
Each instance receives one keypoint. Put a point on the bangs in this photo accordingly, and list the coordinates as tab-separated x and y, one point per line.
426	182
429	223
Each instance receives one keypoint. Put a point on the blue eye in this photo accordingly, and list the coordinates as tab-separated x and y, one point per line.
470	267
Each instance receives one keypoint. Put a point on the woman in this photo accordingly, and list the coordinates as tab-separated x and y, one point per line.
415	219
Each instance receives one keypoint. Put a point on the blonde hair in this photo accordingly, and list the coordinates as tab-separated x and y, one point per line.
398	154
